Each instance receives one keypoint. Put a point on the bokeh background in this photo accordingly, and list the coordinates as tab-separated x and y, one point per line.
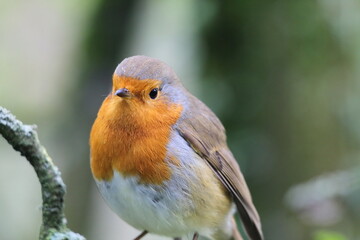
283	76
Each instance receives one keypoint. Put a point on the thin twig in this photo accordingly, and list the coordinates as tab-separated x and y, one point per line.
24	139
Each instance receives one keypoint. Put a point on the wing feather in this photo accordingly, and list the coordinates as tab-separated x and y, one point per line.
206	135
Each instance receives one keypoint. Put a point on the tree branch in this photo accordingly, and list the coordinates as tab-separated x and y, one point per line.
24	139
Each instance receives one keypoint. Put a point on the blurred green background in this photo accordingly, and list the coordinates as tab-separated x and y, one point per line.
283	76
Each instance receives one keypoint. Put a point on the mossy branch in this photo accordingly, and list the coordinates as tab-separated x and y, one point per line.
24	139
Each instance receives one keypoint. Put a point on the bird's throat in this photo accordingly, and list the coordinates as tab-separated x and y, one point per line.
132	140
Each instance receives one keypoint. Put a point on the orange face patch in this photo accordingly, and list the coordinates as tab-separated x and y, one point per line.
131	135
139	88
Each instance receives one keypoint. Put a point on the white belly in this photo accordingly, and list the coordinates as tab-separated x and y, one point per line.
161	210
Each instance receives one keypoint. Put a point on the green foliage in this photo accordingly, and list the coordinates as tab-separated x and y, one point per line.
328	235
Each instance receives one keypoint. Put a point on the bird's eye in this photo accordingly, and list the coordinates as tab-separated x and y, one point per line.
153	93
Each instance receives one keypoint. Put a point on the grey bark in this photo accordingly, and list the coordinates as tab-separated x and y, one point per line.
24	139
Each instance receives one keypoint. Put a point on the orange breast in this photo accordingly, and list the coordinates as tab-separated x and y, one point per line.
132	139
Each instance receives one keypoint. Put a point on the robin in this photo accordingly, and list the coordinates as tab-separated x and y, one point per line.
160	159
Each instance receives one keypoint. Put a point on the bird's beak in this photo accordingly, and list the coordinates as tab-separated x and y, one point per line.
123	92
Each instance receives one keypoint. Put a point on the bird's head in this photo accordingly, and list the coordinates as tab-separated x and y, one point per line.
147	80
145	88
132	92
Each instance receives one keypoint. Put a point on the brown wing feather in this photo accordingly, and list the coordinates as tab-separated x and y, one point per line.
206	135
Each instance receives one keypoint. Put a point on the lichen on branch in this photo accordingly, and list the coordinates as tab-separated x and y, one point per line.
24	139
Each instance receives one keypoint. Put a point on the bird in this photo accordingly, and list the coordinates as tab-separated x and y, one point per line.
160	159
